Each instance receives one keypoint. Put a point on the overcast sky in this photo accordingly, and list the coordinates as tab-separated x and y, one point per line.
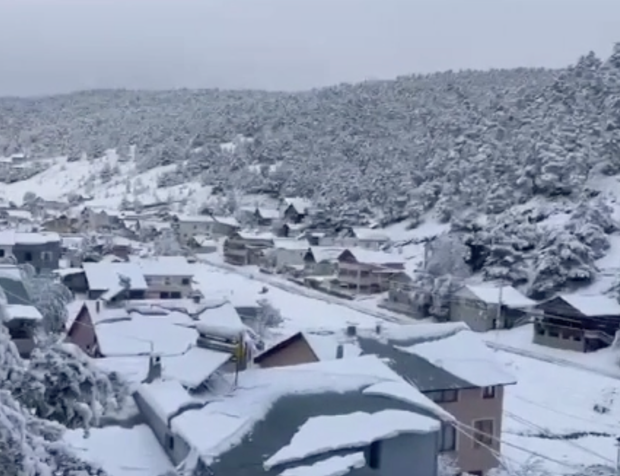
49	46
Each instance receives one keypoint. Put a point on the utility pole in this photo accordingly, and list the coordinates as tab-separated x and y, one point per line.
618	455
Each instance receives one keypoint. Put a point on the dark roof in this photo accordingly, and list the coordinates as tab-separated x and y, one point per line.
426	376
283	344
285	418
15	291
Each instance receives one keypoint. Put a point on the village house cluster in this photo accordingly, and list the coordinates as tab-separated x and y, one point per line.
388	398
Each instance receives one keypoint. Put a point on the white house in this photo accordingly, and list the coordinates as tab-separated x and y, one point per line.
167	277
189	226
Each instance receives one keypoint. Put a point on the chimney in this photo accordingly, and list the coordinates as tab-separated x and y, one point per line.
378	329
351	331
340	351
154	368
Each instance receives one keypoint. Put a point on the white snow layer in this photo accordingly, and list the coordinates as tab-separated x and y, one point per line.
259	389
195	366
465	356
506	295
595	305
406	393
165	397
334	466
323	434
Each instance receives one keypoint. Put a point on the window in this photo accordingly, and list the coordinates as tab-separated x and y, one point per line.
443	396
46	256
170	442
1	253
484	433
447	438
175	295
185	281
28	256
374	455
167	281
164	295
488	392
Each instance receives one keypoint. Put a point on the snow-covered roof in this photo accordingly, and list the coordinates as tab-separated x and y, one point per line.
250	235
10	271
231	221
368	234
301	205
259	389
221	315
464	355
140	335
269	213
21	311
324	434
507	295
63	272
325	347
165	397
290	244
334	466
103	276
120	451
593	305
195	366
326	253
21	214
38	238
73	311
164	266
365	256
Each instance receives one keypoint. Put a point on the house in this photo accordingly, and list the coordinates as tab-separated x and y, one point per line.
18	313
113	277
188	226
61	224
367	271
403	297
484	307
202	244
292	230
322	260
16	217
302	348
260	216
354	426
41	250
454	368
74	279
245	248
167	277
99	220
447	363
367	238
295	210
80	326
583	323
287	253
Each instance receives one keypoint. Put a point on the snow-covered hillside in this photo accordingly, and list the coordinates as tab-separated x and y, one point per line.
520	166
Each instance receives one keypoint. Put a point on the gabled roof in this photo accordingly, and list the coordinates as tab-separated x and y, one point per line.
437	356
301	205
365	256
507	295
370	234
592	305
270	405
103	276
323	347
164	266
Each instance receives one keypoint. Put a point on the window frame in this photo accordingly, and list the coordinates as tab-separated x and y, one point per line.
445	429
489	393
444	396
481	439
